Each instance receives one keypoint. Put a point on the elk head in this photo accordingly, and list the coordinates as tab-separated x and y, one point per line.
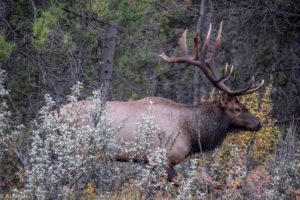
236	113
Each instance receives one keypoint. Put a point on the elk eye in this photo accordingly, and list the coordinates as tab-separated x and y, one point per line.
237	110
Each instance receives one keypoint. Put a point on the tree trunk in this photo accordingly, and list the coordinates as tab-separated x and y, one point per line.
5	9
108	60
200	23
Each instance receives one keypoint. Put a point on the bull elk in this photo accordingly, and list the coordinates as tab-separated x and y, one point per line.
200	127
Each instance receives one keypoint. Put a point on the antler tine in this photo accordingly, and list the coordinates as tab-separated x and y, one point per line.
212	71
253	88
173	59
165	57
182	59
217	43
206	43
231	70
182	43
226	74
215	49
226	67
247	90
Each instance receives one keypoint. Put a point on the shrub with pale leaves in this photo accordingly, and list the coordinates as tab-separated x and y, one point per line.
62	154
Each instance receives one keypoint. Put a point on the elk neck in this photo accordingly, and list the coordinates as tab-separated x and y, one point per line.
206	126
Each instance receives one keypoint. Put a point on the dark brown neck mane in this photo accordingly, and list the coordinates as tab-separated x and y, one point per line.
208	126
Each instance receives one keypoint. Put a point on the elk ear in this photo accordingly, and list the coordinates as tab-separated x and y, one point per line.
223	99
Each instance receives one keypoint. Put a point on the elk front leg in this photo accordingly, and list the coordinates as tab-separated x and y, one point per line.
171	173
173	176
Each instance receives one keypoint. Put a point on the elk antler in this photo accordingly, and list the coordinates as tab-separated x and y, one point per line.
208	66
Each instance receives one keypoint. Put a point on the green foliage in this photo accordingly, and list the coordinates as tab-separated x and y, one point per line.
6	48
43	26
164	23
121	11
99	7
68	41
22	86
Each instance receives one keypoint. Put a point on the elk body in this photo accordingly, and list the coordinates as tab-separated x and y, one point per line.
186	129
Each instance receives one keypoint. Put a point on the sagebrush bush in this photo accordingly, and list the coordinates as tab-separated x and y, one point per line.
63	155
8	160
284	168
65	160
4	115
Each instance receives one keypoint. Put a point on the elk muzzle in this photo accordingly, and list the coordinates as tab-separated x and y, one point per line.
255	125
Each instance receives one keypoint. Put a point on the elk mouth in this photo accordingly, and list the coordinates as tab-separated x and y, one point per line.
252	128
256	127
236	129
